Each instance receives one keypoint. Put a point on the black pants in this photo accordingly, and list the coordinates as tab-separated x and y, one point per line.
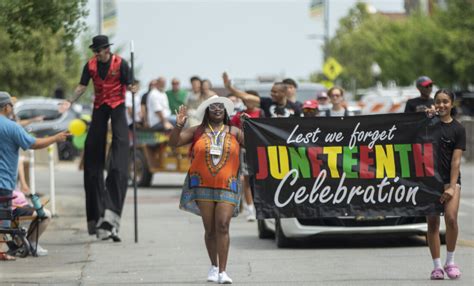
105	203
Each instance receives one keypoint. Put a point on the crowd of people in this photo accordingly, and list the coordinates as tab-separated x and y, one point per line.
212	125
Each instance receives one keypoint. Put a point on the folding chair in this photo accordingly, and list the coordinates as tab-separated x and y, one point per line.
34	224
14	235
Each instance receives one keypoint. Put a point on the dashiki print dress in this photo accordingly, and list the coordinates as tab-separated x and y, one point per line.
213	177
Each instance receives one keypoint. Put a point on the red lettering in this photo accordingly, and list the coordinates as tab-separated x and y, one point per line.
365	162
262	163
423	160
313	153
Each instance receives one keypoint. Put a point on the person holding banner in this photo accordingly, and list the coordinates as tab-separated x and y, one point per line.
212	186
451	136
111	77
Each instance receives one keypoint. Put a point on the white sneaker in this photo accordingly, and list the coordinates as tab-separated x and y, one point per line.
212	275
251	217
251	213
224	278
40	251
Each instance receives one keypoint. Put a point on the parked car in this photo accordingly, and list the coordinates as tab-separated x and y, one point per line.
285	230
53	121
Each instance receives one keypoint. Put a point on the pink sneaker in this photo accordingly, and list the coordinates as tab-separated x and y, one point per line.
452	271
437	274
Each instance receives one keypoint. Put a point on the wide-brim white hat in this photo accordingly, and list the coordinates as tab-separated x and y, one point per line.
228	104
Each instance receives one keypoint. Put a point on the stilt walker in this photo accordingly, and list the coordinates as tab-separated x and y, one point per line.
104	200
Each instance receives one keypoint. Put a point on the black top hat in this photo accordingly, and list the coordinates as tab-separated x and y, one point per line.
100	41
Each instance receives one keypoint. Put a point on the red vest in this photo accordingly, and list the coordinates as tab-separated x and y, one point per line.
109	91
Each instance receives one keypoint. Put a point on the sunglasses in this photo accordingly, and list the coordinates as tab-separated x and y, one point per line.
96	51
428	86
216	106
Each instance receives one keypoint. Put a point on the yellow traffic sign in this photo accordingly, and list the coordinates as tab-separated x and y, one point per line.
332	69
327	84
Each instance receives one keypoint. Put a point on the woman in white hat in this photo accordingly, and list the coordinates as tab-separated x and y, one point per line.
212	187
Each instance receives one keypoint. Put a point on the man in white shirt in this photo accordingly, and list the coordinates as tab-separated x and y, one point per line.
158	107
129	106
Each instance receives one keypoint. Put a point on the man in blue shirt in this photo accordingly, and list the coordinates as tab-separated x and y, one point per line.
13	137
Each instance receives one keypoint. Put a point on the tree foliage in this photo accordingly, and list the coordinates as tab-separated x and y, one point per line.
440	45
37	43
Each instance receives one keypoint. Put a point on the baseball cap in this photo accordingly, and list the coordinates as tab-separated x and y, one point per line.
423	81
312	104
322	94
5	98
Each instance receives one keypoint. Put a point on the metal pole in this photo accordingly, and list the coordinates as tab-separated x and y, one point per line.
52	184
326	28
134	147
100	15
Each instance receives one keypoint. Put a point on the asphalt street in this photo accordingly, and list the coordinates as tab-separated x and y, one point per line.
171	250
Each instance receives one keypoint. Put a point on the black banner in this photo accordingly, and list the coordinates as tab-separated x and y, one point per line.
375	165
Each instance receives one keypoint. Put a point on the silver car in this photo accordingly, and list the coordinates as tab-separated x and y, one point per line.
286	229
53	121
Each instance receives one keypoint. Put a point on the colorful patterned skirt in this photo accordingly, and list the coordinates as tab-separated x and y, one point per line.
190	195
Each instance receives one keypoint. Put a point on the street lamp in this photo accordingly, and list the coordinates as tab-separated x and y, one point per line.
376	71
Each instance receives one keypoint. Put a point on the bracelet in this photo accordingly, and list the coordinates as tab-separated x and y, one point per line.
179	126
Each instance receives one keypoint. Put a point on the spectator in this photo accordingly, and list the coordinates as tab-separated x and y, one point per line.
21	207
15	137
310	108
129	106
336	96
252	111
176	96
194	95
158	107
323	101
420	104
59	93
292	87
194	100
206	89
277	106
238	104
143	104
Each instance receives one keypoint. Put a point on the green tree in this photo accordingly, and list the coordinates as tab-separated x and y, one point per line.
37	44
457	43
440	45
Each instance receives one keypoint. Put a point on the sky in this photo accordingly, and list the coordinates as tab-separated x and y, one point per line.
177	38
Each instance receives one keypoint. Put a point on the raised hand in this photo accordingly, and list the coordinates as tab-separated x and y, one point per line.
64	106
226	80
181	116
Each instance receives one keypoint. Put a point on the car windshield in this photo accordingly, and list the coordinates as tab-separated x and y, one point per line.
49	114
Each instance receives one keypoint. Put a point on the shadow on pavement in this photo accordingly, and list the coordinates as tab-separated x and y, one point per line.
365	241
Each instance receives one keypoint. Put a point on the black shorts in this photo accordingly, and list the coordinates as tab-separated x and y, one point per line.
23	211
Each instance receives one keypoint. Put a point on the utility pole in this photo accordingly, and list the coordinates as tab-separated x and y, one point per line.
326	28
100	14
